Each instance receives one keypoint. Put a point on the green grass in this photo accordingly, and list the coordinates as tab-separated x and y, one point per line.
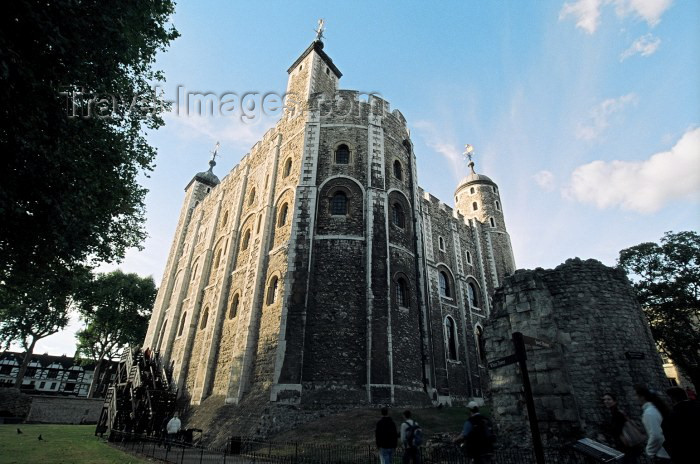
61	444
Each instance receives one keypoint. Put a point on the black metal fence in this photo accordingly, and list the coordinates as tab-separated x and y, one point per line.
244	450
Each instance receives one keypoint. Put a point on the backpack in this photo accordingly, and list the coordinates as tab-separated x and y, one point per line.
481	439
414	435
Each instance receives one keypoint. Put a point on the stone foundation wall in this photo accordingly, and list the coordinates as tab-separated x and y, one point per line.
591	315
58	410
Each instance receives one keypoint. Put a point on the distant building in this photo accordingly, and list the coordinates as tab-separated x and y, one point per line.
51	375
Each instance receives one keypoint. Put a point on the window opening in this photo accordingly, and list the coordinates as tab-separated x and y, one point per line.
402	293
451	332
282	219
398	218
205	318
234	307
272	290
182	324
339	204
342	154
445	285
246	239
398	170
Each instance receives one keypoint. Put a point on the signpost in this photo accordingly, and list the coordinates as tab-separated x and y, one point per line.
519	342
634	355
504	361
536	342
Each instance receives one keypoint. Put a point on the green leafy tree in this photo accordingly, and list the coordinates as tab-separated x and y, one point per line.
666	277
41	310
76	97
116	308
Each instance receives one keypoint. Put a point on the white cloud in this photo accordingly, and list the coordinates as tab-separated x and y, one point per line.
600	116
642	186
648	10
645	46
585	12
434	139
545	179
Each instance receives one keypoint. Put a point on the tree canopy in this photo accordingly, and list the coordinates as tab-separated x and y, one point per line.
666	276
115	308
76	95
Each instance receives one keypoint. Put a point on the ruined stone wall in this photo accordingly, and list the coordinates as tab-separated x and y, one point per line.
591	315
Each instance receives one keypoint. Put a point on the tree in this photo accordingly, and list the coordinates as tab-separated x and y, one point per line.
666	277
40	311
76	96
116	308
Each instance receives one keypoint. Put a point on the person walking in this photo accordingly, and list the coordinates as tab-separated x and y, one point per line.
682	428
619	430
477	436
654	411
173	428
411	453
386	436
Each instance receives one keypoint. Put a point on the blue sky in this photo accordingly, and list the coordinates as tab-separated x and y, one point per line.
586	113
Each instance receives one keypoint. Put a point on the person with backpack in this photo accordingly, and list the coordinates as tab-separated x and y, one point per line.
477	436
386	437
412	439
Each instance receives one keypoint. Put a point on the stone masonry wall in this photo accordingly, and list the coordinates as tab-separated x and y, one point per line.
590	313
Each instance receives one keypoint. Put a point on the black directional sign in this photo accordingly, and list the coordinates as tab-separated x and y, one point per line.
536	342
500	362
634	355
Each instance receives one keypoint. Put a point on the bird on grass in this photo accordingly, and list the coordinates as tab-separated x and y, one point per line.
40	437
18	431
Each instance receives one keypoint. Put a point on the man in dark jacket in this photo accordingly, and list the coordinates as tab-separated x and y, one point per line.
386	435
682	428
477	436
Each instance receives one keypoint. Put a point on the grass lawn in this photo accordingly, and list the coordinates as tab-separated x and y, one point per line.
69	444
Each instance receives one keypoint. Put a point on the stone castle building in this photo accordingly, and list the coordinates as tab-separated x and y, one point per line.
319	272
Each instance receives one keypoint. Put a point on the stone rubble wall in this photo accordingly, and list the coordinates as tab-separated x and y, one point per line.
590	312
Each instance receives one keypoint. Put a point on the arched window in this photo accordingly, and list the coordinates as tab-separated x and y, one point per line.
398	171
471	190
182	324
475	206
339	204
282	217
342	154
473	295
272	290
233	310
397	216
498	205
225	219
194	271
287	168
217	260
451	338
469	257
481	344
246	239
493	222
205	318
257	228
445	289
441	243
402	293
251	196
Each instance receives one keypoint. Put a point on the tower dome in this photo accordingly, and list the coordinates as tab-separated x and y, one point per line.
208	177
